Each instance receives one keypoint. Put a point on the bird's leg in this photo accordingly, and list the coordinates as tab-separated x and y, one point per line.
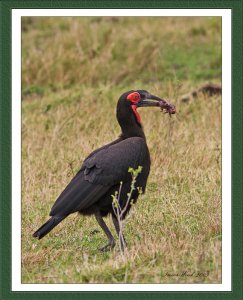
106	230
122	240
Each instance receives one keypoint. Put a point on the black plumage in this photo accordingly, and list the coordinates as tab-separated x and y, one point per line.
89	192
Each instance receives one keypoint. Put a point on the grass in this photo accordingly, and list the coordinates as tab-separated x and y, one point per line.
73	71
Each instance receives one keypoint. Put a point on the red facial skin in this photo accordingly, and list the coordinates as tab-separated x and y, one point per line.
134	98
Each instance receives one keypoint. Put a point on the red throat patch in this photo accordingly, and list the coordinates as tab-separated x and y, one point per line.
134	97
134	108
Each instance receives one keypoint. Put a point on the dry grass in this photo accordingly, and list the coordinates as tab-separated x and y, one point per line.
97	51
70	87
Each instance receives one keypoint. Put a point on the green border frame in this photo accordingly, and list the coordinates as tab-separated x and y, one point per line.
5	138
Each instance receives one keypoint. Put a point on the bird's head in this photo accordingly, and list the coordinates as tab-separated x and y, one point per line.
134	99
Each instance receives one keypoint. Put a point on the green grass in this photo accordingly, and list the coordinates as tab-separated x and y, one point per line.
73	71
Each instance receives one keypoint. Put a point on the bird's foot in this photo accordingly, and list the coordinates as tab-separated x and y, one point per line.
108	247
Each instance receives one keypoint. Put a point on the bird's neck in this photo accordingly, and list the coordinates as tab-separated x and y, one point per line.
128	123
133	130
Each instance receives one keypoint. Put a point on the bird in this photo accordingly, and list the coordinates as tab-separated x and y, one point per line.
106	171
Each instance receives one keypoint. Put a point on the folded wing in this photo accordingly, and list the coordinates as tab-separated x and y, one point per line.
100	171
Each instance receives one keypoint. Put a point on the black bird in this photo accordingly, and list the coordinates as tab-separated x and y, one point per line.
89	192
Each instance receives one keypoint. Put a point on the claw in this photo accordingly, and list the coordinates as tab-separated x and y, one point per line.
107	247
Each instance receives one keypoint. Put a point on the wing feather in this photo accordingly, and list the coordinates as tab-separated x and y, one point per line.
110	165
79	194
99	172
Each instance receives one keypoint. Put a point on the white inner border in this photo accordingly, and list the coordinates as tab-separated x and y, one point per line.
16	150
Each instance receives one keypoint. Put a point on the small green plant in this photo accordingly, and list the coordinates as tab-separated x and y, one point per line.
120	211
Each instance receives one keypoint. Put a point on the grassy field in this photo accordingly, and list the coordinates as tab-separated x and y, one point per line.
73	71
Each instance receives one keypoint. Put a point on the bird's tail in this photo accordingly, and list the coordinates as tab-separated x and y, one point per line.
47	227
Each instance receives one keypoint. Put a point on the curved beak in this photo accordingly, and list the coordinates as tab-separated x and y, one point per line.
149	100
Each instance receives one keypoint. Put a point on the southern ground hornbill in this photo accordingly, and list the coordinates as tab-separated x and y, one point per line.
90	191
